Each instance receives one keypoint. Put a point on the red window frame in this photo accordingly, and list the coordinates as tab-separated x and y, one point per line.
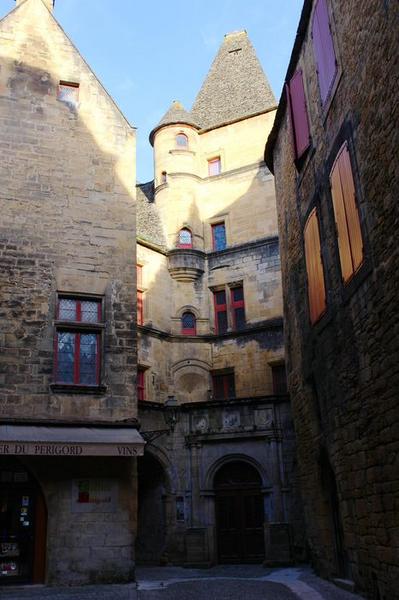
279	377
236	304
214	226
72	327
219	308
189	330
190	245
213	162
140	296
140	384
223	381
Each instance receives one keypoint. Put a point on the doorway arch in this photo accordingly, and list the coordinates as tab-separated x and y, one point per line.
23	525
151	532
239	513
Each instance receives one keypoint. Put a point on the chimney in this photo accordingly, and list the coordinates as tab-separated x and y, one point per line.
48	3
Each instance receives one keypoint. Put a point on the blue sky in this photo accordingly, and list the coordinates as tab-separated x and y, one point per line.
148	54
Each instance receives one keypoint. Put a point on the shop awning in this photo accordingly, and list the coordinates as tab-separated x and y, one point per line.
40	440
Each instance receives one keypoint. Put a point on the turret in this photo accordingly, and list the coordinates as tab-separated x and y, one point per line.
175	142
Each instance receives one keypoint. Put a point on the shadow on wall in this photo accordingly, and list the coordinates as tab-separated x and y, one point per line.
67	174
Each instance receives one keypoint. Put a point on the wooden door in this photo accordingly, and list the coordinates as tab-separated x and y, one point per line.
239	515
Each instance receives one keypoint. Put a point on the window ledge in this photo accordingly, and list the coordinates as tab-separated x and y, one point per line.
182	151
66	388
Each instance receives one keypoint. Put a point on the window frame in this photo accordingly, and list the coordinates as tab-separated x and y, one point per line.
213	229
140	295
220	308
227	378
185	246
78	328
235	305
72	85
213	161
188	330
140	384
181	135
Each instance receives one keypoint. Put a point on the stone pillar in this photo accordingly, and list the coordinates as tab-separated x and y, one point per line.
195	485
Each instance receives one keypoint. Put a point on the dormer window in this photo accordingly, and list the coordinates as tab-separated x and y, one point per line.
181	140
185	238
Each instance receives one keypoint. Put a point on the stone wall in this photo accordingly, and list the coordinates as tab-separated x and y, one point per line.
68	219
343	372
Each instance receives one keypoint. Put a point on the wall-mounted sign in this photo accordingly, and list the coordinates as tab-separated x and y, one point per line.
94	495
61	449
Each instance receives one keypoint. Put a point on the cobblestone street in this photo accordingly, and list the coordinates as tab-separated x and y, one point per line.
219	583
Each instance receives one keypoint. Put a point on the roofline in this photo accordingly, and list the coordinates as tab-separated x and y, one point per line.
161	125
132	127
296	50
225	123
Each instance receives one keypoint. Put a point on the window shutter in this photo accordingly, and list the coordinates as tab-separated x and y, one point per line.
324	49
350	242
314	268
340	222
299	114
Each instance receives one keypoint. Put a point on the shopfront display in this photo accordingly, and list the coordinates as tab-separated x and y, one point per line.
21	511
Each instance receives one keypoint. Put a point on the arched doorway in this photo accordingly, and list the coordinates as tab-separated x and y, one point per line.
23	524
151	534
239	513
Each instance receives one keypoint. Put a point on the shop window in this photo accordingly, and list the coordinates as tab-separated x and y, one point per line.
223	386
350	241
140	384
279	380
220	305
185	238
68	92
314	268
219	236
181	140
299	114
324	50
78	341
214	166
188	324
238	307
140	296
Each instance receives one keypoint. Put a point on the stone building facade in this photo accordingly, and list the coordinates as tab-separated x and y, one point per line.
333	151
210	334
68	412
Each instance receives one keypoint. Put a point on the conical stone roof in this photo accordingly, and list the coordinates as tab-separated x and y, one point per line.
176	115
235	87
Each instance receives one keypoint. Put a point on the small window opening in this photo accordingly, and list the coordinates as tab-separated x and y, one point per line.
164	177
214	166
68	92
185	238
188	324
181	140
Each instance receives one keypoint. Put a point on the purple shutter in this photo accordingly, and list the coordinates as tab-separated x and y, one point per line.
324	49
299	114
